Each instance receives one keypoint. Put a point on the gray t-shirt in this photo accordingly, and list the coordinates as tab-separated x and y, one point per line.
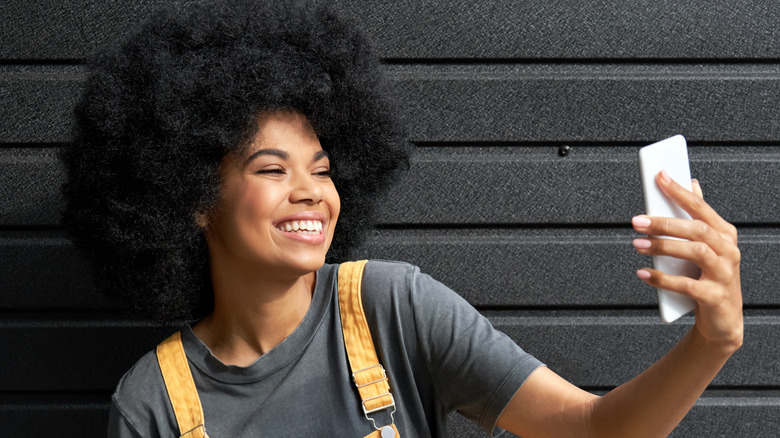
439	352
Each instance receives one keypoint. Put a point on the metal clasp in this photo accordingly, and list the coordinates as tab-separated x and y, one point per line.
367	411
391	405
381	368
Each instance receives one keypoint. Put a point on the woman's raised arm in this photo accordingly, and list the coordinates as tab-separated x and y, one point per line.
655	401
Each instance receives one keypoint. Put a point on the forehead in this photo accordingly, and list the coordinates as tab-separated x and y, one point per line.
284	130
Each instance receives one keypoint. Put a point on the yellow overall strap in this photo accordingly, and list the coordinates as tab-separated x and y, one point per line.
181	387
368	374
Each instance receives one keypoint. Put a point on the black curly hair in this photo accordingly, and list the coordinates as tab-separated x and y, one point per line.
161	110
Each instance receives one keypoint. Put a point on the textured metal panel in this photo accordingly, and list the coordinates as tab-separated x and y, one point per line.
711	417
592	185
490	268
30	181
55	30
548	102
37	102
42	271
64	416
594	351
468	186
605	351
557	267
569	29
590	102
72	354
404	29
68	421
488	221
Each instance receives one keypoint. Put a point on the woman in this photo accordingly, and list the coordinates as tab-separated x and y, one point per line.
221	150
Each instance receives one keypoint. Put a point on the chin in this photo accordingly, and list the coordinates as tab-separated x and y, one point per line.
301	265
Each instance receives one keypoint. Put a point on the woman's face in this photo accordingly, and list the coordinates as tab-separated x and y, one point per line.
278	206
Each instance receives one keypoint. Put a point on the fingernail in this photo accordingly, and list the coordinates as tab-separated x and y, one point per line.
665	177
642	243
643	274
640	221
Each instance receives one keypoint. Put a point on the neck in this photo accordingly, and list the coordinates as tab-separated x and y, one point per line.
253	314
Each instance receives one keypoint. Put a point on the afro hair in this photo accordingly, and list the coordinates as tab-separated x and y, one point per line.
161	110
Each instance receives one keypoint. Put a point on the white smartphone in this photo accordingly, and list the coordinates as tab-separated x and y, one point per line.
670	155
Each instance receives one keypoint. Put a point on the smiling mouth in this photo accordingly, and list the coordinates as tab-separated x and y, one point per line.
302	227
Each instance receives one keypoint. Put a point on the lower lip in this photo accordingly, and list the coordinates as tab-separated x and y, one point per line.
312	239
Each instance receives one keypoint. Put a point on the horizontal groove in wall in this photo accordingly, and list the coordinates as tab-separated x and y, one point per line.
588	153
77	320
563	316
607	72
500	234
483	67
748	232
43	398
744	395
16	146
472	61
612	318
608	145
719	394
541	60
86	317
527	226
81	62
35	62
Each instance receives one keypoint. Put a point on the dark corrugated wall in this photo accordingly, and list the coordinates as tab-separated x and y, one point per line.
537	239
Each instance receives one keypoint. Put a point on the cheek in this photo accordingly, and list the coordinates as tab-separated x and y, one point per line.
256	203
334	203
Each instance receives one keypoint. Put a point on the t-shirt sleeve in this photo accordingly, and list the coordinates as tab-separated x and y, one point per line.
475	368
140	406
118	426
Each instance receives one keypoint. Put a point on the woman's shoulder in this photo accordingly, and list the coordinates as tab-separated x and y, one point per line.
400	276
140	397
389	270
400	285
389	277
144	373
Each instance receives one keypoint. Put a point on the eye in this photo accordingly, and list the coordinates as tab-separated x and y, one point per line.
324	173
275	170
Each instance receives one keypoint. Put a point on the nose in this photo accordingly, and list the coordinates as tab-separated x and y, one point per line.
305	188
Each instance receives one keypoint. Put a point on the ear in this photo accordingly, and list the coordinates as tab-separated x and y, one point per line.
202	220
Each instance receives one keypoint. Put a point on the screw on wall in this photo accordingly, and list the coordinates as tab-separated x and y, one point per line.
564	150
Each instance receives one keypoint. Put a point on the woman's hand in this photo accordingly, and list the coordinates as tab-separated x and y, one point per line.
712	245
654	402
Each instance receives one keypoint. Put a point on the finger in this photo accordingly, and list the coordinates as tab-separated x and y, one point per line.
712	266
693	230
675	283
697	188
693	204
704	292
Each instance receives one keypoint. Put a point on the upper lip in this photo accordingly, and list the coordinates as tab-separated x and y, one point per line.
302	216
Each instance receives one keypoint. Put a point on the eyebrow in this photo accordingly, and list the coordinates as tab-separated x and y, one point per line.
284	155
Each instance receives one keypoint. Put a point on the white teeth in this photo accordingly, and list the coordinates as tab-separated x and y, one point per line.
304	226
